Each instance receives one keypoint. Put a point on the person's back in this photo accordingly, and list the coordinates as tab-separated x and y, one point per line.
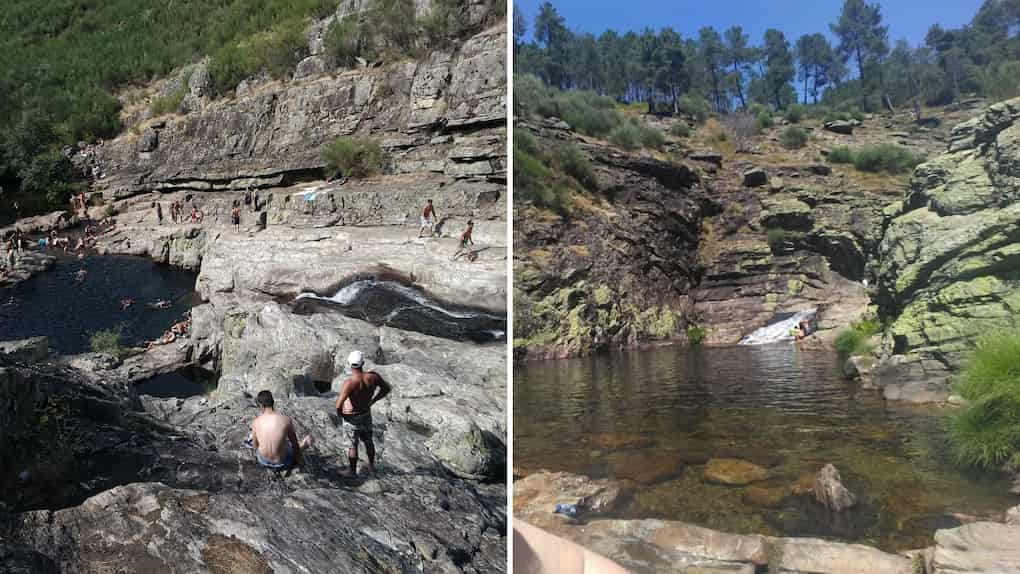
354	405
273	436
362	386
270	430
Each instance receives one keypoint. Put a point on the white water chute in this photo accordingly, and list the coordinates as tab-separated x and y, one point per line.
779	330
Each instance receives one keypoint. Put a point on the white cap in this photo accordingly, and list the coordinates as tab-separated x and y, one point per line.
356	360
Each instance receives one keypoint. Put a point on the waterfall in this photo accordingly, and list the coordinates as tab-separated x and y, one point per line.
778	330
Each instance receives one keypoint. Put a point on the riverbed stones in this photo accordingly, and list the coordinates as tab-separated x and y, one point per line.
977	547
764	497
733	472
645	467
536	496
620	440
830	492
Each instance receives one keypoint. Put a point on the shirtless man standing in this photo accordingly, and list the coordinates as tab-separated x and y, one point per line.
354	405
273	436
428	219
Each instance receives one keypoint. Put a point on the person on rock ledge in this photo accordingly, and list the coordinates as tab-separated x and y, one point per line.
274	437
428	219
354	407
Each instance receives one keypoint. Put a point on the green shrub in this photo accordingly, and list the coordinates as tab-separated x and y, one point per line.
1002	82
537	184
986	434
48	174
627	136
694	106
525	141
680	130
695	335
353	157
765	119
890	158
441	24
345	40
169	103
574	164
795	113
853	340
793	138
777	237
108	341
840	154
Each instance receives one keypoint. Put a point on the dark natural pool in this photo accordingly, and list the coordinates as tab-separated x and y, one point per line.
52	303
658	416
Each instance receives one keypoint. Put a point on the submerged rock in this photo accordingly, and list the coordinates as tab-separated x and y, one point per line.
764	497
536	496
733	472
830	492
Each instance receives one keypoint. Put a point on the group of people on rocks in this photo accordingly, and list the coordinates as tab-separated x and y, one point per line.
176	331
429	221
274	435
177	212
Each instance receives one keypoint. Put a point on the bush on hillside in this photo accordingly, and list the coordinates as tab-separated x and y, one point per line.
169	103
840	154
48	174
535	183
694	106
574	164
680	130
793	138
795	113
345	41
986	434
853	341
352	157
890	158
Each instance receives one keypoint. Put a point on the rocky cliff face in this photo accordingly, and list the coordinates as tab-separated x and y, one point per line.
949	255
619	268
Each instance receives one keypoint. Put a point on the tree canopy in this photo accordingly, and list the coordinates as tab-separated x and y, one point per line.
855	64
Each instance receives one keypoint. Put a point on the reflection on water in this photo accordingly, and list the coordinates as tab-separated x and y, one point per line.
657	416
67	311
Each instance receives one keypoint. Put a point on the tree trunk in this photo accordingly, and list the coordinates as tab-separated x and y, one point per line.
860	63
740	90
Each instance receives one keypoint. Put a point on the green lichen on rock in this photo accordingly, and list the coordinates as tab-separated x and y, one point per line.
949	262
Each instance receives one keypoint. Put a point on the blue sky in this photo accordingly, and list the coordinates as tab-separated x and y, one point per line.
908	19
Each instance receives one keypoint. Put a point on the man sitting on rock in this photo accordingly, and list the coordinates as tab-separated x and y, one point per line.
354	406
274	437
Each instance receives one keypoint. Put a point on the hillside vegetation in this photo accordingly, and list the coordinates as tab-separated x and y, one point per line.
65	60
